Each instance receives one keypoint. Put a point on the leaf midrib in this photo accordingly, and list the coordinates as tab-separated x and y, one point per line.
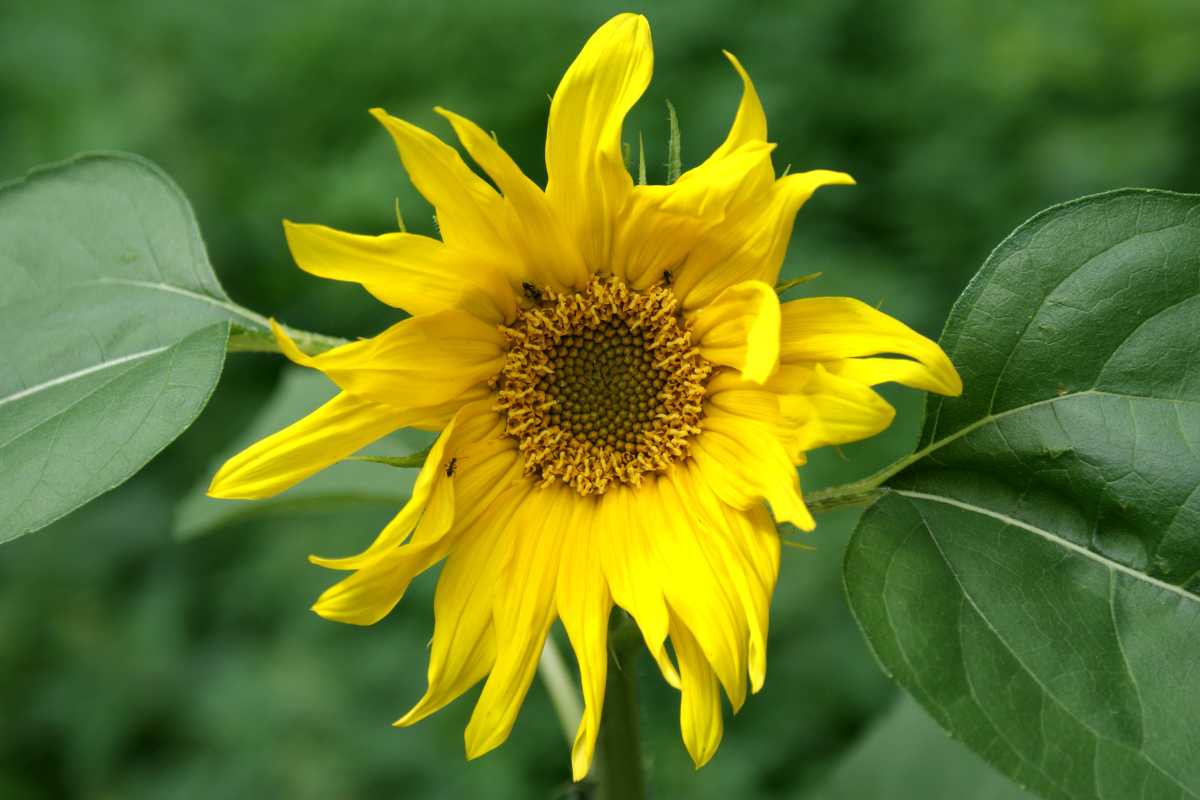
1050	537
79	373
1112	565
228	305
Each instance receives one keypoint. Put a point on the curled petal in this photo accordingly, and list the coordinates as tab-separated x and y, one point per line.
744	463
834	328
741	329
751	244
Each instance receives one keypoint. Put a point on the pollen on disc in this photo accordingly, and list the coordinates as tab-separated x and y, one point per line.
601	386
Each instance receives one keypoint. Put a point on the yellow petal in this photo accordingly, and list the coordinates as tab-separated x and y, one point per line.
700	702
550	257
750	124
746	544
587	180
421	361
874	371
627	556
432	500
415	273
371	593
523	610
755	534
698	584
334	431
744	463
660	225
470	215
740	329
734	395
752	244
464	645
835	328
584	605
829	409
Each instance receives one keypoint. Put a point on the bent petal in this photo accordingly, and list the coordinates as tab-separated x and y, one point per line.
371	593
523	611
740	329
750	122
700	702
334	431
744	463
700	589
469	212
660	225
432	502
835	328
464	644
550	256
586	177
756	536
627	557
415	273
746	543
751	246
828	409
421	361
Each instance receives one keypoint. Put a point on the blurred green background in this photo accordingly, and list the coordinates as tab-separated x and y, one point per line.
135	666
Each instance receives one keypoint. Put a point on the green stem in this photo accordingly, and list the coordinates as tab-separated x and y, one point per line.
866	490
621	773
261	340
841	497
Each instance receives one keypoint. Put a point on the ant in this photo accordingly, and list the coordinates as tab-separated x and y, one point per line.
450	467
666	277
532	291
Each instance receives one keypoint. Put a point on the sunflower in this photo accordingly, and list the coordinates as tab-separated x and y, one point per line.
621	397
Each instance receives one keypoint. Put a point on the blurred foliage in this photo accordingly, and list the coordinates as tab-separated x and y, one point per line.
136	667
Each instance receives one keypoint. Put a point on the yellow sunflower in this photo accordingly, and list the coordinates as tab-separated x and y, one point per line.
622	400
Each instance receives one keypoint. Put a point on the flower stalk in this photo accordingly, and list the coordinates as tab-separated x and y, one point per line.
622	776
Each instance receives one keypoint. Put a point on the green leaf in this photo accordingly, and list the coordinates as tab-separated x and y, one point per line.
349	484
1032	576
906	755
411	461
113	329
674	146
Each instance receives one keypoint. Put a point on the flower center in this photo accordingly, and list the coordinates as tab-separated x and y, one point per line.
601	386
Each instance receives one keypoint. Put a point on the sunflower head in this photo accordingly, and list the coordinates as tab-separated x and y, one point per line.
621	397
601	386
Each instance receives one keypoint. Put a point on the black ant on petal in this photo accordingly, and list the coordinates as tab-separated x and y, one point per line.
532	291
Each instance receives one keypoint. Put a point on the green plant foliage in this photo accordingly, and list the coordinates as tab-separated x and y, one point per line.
347	484
120	326
906	755
1032	576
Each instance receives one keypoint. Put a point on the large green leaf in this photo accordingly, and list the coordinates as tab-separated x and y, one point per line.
1033	575
348	484
112	327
